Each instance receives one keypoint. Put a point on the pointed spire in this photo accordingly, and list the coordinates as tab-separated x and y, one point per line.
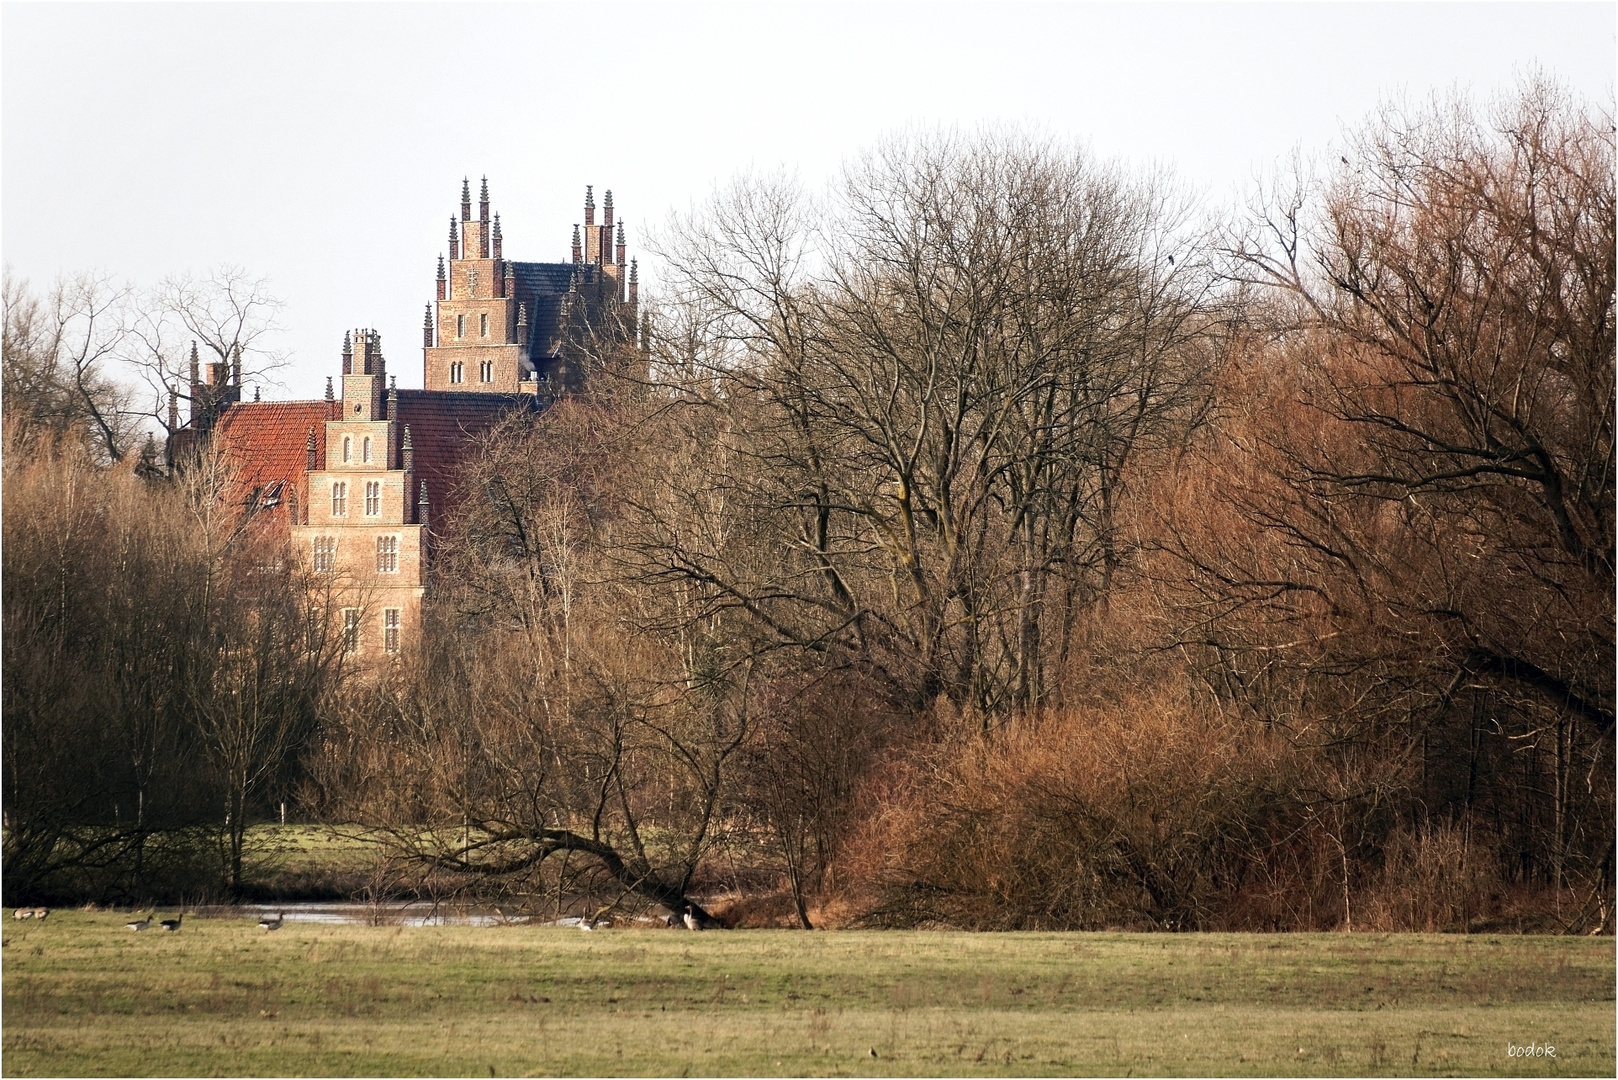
443	285
589	205
483	201
497	236
454	240
408	450
606	209
348	354
522	314
621	248
427	328
578	250
329	396
236	366
421	505
634	283
466	199
393	397
174	408
196	375
441	265
255	393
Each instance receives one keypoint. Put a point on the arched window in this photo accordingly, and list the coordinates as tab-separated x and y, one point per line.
365	450
460	326
348	448
483	326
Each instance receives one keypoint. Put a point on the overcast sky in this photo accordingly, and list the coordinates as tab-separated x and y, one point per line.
323	146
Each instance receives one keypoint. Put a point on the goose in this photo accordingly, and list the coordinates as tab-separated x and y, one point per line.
172	925
23	913
140	924
41	912
273	924
691	920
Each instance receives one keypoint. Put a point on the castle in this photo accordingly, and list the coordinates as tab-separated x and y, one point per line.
358	481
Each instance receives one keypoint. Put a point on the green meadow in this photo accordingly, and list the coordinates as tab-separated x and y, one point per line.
84	996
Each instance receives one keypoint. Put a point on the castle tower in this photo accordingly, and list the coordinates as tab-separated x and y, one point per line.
360	518
477	347
499	326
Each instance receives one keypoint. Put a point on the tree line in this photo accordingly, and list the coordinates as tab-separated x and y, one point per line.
993	540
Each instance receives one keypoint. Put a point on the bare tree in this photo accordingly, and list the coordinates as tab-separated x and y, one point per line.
60	352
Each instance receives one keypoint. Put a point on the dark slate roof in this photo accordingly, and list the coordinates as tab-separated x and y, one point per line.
444	425
542	286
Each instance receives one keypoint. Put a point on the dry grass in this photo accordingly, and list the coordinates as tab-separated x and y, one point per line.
83	996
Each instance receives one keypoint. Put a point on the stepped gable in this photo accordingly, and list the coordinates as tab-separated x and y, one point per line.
444	427
264	444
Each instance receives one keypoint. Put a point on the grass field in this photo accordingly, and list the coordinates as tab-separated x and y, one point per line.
83	996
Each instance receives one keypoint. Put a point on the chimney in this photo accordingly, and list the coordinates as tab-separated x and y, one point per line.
466	199
578	252
497	236
589	205
483	202
606	209
621	245
443	292
309	446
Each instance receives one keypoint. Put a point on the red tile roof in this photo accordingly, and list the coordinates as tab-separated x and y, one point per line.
265	443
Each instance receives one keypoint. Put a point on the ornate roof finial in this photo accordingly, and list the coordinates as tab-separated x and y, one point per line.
466	199
441	268
255	392
483	201
606	209
589	205
329	396
578	250
634	272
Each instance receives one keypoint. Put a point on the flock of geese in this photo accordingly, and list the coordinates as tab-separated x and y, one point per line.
173	925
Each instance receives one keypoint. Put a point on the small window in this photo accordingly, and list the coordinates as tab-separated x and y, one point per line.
460	326
325	554
387	554
373	498
348	448
456	372
339	499
390	630
365	450
486	372
351	630
483	326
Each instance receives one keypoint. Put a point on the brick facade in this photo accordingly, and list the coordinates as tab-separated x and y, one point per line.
359	482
